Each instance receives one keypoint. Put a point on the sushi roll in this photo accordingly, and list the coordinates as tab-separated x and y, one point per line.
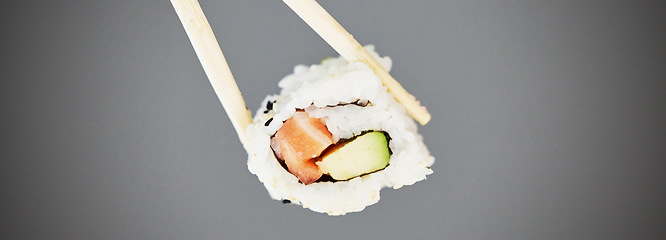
337	133
334	137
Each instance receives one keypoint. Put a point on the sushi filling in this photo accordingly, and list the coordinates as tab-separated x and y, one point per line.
305	148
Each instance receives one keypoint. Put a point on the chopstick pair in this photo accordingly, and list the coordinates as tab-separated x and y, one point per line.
215	65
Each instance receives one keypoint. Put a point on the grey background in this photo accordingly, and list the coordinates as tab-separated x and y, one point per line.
548	120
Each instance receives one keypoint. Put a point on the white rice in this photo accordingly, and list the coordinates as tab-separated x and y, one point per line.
325	91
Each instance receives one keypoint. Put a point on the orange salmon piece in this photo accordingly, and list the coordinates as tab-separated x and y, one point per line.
301	139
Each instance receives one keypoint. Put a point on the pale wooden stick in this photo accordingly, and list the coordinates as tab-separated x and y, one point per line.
343	42
213	62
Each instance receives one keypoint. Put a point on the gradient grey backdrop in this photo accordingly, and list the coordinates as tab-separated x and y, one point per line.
548	120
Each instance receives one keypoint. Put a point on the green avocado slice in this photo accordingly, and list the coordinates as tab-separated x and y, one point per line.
364	154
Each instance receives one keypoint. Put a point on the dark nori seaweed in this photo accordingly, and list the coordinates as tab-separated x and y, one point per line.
268	122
